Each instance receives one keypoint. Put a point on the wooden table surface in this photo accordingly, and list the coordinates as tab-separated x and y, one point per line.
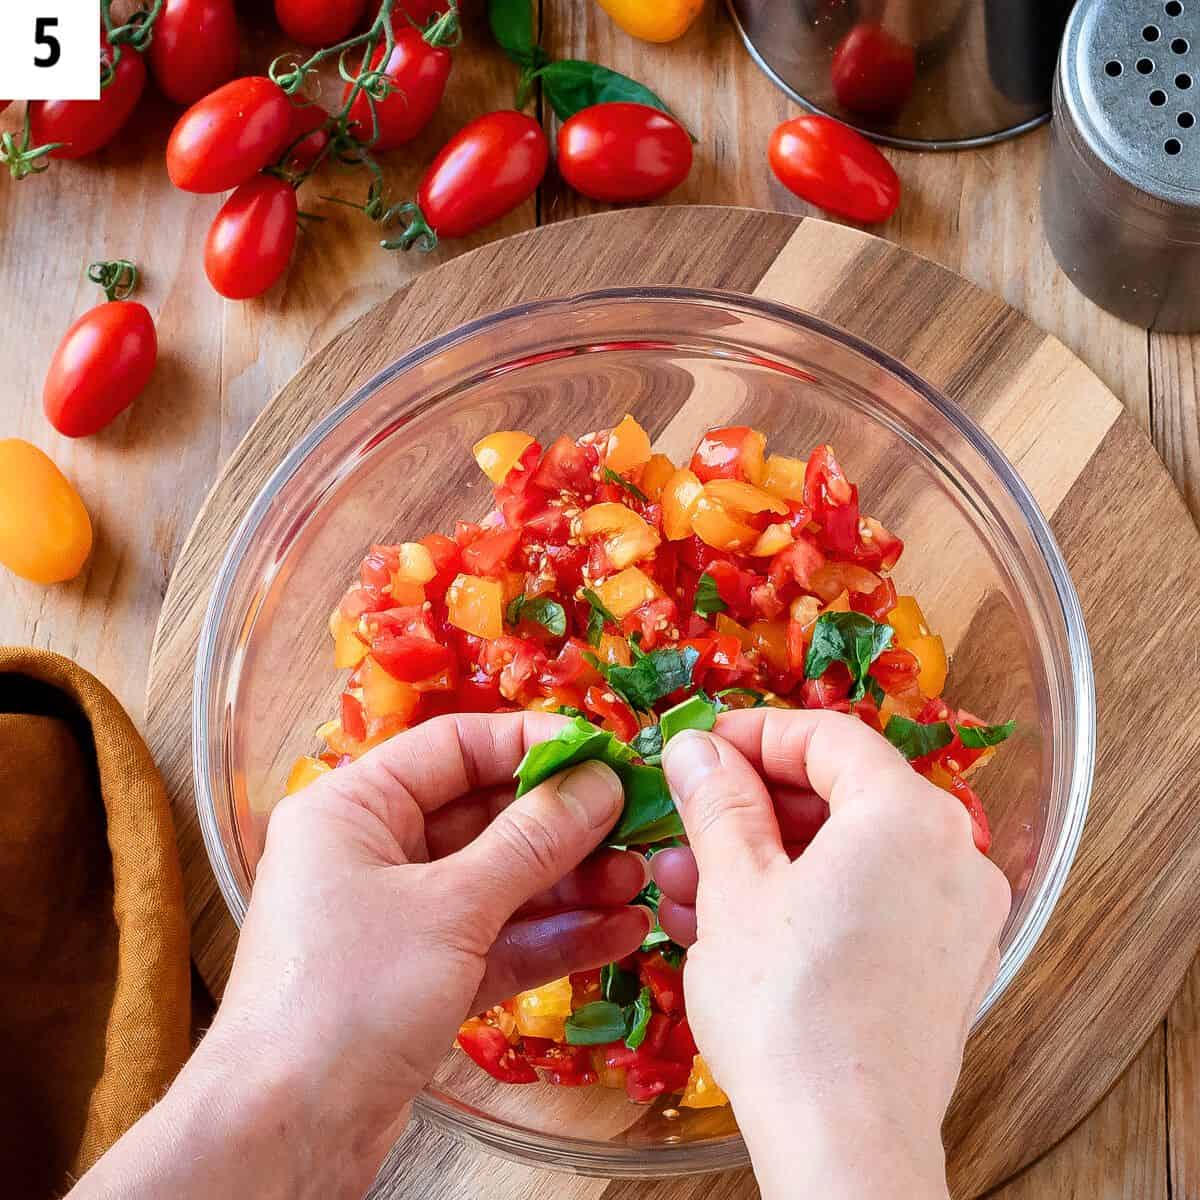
145	477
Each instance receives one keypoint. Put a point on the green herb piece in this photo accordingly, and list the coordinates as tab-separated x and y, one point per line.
617	985
569	710
915	740
596	1023
639	1020
976	737
673	954
708	600
650	814
648	743
576	742
652	676
512	27
541	610
610	476
696	712
655	938
758	698
572	85
847	637
874	690
598	618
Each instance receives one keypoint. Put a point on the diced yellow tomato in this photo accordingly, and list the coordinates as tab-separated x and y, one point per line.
385	696
336	738
772	539
407	595
726	624
499	452
348	648
805	610
940	777
628	447
679	496
833	578
512	585
542	1012
702	1090
476	605
606	1076
713	525
304	771
614	651
627	537
416	564
931	654
769	638
784	477
739	498
907	620
840	603
655	475
907	703
626	590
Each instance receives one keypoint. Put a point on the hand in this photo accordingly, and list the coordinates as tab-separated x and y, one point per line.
831	995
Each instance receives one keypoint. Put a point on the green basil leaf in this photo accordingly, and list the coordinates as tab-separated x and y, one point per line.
610	476
847	637
578	741
652	676
572	85
758	698
596	1023
915	740
569	710
650	814
874	690
673	954
976	737
512	27
696	712
648	744
639	1020
598	618
617	985
708	600
541	610
656	937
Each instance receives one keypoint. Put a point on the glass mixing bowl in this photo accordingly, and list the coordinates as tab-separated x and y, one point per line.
393	462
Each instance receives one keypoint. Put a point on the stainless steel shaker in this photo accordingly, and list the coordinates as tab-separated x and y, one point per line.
925	74
1121	190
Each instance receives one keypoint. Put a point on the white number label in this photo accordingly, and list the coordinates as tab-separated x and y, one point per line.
50	49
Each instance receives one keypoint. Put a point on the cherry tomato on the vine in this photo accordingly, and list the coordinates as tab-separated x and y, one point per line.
319	22
872	71
100	367
84	126
830	165
484	171
195	48
623	152
229	136
417	69
252	238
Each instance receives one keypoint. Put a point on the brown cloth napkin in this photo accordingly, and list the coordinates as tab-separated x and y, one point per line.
94	975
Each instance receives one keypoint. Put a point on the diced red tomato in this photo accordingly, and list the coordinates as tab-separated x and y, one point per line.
735	452
568	1066
447	560
876	604
491	553
895	670
830	691
736	587
796	564
411	658
479	692
466	533
567	467
377	567
354	719
649	1078
653	620
665	983
490	1049
612	712
980	829
680	1045
360	600
657	1032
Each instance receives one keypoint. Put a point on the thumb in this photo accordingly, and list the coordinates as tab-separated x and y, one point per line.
726	808
536	840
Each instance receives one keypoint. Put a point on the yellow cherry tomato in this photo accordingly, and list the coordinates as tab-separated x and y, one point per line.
499	452
908	620
772	539
628	447
476	605
769	638
542	1012
655	475
416	564
653	20
740	498
627	537
626	590
45	532
385	696
931	654
679	496
784	477
702	1090
713	525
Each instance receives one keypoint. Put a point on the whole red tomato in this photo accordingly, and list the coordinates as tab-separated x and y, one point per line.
872	71
417	70
252	238
229	136
484	171
623	152
307	137
100	367
195	48
319	22
83	126
829	165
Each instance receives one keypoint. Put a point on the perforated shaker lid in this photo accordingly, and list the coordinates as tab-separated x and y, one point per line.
1130	77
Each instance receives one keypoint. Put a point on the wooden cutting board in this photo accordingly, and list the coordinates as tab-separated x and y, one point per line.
1128	924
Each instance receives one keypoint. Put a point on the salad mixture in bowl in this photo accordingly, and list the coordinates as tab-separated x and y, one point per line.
641	597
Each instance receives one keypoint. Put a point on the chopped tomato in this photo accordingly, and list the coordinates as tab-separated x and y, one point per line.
491	1050
492	552
876	604
354	720
665	983
735	452
411	658
655	620
649	1078
680	1045
895	670
566	467
568	1066
797	564
612	712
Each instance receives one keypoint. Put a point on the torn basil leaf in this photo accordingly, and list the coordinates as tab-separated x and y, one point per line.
597	618
915	740
595	1024
976	737
708	599
639	1019
850	638
652	676
618	985
541	610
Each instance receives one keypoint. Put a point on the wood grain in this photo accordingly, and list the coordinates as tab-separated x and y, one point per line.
1125	931
974	211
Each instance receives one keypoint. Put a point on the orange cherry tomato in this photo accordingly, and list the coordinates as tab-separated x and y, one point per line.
45	532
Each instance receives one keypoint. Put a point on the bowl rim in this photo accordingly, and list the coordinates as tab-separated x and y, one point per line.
615	1159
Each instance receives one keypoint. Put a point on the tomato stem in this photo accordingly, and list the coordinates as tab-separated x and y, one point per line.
136	33
417	233
23	159
118	277
445	30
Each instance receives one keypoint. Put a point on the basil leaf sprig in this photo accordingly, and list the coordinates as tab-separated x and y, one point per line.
915	740
850	638
570	85
541	610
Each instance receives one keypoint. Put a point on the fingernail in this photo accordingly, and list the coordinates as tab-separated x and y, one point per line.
651	916
592	791
687	758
